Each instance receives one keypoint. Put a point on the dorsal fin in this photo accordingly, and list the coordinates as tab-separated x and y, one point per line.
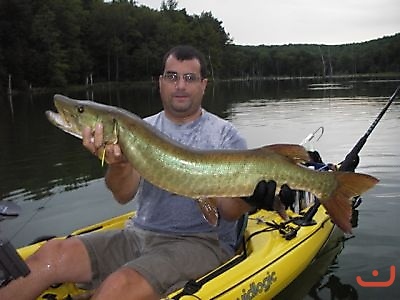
294	152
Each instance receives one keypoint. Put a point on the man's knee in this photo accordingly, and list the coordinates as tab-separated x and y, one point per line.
61	258
47	253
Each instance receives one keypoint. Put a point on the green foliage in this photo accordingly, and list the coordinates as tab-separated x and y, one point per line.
376	56
61	42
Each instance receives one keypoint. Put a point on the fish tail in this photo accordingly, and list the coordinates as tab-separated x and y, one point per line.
338	204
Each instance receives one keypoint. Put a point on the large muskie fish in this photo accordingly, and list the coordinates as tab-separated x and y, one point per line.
202	174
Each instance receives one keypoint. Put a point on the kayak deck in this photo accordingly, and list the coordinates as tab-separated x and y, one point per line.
274	254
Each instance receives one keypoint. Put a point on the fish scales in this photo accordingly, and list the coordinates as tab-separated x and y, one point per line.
210	173
198	174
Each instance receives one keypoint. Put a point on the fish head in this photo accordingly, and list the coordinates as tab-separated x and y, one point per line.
74	115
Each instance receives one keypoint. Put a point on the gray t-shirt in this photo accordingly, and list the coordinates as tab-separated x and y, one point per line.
161	211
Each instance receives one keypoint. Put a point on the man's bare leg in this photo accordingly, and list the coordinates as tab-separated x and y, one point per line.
125	284
56	261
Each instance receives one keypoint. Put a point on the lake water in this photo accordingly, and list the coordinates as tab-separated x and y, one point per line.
60	188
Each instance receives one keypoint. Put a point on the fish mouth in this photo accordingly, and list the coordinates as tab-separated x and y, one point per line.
59	120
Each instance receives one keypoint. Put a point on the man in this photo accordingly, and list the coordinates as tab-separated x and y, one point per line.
168	242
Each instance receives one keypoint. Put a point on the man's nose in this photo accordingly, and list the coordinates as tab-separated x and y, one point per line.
180	83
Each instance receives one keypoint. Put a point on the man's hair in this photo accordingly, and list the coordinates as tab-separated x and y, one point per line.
186	52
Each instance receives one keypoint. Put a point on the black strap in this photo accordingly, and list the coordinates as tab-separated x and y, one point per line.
12	266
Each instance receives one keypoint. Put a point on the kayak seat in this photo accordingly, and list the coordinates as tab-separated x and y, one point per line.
240	233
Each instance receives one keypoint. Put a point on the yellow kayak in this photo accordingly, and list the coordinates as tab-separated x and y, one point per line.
272	255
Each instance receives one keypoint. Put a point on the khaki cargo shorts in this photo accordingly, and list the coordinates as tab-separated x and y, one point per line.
166	261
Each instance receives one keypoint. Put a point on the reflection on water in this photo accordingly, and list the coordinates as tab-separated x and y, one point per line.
59	185
262	110
38	158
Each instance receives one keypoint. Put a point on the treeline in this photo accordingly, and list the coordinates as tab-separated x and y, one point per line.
376	56
61	42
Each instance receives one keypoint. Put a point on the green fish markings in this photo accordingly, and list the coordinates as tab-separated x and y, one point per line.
206	174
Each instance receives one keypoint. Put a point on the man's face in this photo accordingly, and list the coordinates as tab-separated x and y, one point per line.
182	89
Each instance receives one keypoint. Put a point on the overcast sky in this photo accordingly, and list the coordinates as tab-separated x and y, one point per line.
278	22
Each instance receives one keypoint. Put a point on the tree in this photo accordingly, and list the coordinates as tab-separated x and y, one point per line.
60	42
169	5
15	29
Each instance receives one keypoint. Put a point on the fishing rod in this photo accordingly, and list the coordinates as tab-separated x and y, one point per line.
351	161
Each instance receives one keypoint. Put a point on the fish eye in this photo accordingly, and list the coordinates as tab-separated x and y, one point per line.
80	109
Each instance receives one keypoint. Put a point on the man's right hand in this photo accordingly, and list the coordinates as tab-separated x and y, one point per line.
121	178
93	141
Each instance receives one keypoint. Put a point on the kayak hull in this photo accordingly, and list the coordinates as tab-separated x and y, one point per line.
272	260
